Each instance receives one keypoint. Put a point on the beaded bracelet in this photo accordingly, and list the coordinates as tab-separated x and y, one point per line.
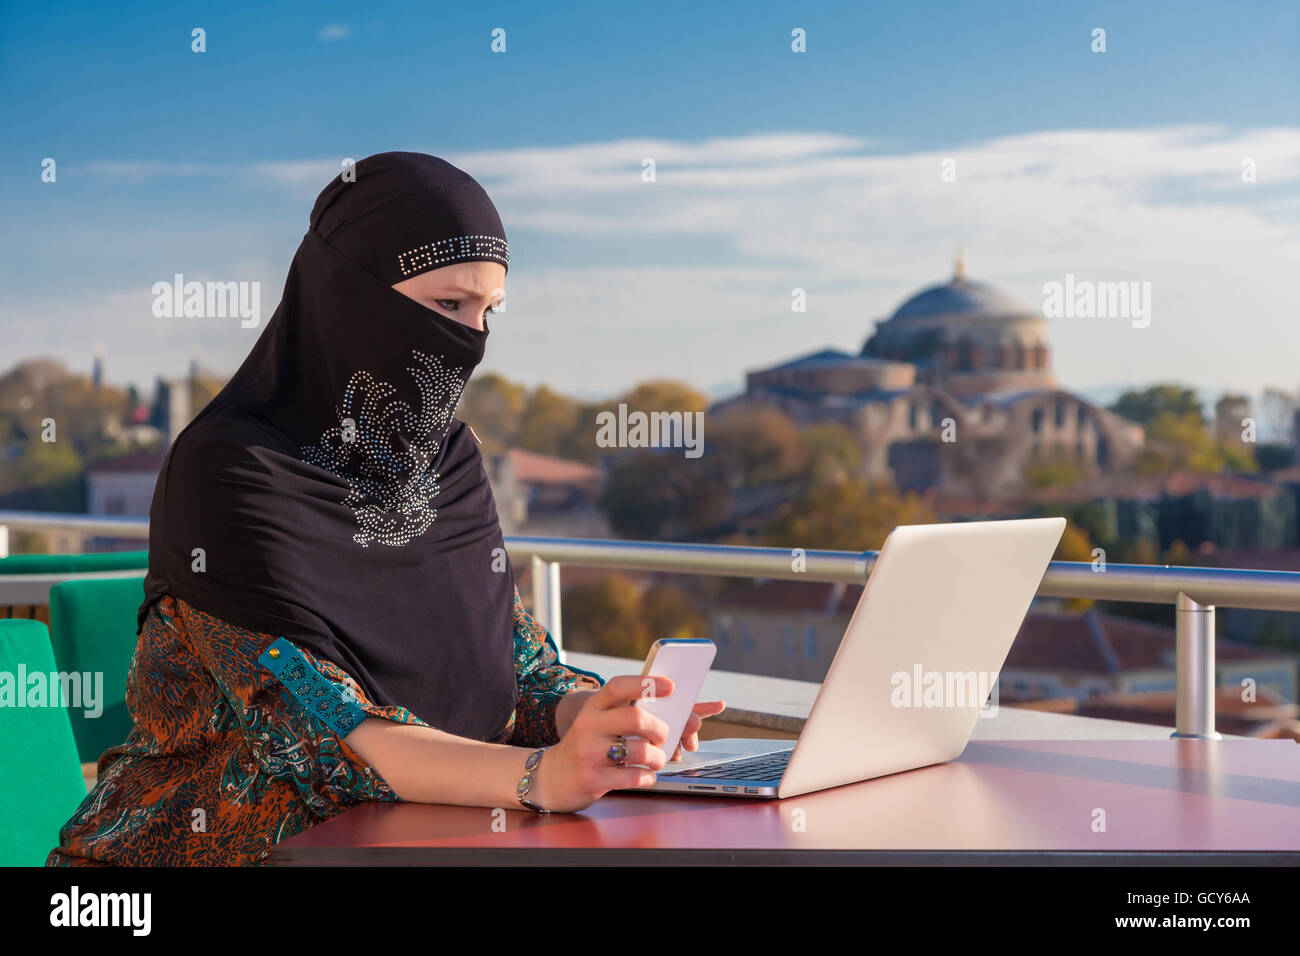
526	781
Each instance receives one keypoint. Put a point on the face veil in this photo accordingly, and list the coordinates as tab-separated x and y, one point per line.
328	494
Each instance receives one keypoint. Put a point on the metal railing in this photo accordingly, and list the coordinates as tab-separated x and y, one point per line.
1194	592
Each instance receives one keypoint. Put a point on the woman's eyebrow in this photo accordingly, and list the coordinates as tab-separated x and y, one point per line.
494	293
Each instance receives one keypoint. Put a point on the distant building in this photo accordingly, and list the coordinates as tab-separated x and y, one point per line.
138	431
953	391
1230	415
173	407
547	496
177	401
1206	511
1091	654
123	486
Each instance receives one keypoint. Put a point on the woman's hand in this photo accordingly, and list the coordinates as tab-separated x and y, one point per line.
691	735
576	772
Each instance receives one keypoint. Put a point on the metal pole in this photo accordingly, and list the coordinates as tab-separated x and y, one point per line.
1194	643
4	541
546	599
553	622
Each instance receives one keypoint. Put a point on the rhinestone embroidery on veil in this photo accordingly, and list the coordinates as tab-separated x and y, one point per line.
386	454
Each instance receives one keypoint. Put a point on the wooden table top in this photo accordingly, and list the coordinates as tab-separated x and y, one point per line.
1232	801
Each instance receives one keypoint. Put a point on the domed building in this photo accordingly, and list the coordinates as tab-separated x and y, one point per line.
953	391
967	336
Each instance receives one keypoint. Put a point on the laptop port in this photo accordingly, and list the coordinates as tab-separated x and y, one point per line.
729	789
751	789
698	786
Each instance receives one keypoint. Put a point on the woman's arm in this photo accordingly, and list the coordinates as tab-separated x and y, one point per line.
306	722
425	765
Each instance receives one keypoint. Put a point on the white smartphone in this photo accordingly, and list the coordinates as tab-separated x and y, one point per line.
686	662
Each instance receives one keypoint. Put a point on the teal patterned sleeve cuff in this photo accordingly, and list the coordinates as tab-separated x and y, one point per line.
543	682
327	700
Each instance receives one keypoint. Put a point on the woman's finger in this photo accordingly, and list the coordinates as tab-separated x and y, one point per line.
627	778
640	752
617	691
635	721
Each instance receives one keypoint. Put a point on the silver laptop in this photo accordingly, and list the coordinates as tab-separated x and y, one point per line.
933	627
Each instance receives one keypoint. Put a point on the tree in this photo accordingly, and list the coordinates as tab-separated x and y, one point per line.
654	493
832	452
605	617
649	398
670	612
756	445
1057	470
851	515
1145	406
495	407
1182	442
635	497
547	421
46	476
1075	546
37	389
663	396
613	615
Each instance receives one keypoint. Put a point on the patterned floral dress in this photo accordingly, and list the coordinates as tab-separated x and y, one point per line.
238	742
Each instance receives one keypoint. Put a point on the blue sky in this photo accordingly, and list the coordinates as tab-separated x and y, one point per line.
775	170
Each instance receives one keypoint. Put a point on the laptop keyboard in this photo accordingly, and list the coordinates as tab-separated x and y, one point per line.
764	767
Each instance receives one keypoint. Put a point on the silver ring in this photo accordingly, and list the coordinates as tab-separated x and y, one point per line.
617	753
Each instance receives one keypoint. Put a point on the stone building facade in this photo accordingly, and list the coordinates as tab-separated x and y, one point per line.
954	390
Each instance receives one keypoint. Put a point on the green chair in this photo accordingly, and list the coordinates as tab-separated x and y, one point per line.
40	772
73	563
61	564
93	628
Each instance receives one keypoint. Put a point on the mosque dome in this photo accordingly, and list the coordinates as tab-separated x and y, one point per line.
959	297
965	329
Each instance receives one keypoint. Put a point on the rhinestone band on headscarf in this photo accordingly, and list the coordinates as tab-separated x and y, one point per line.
432	254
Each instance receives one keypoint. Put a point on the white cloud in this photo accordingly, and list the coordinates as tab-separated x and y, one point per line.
860	227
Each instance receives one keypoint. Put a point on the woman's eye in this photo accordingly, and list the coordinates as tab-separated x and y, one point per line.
453	305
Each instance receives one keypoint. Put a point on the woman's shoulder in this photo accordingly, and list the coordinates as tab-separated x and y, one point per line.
211	447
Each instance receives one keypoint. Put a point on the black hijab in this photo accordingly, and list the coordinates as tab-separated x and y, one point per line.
336	501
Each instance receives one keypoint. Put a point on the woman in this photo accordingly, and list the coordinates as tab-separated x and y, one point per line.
329	615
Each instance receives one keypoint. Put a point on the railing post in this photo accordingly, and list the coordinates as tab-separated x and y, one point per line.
546	599
4	541
1194	667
